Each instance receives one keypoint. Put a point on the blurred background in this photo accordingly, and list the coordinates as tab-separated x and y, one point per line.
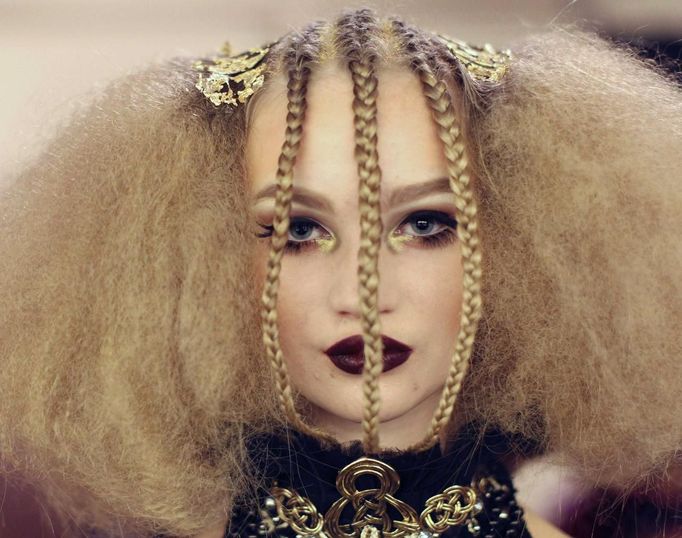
54	54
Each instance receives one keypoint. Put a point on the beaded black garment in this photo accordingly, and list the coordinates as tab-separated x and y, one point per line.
301	464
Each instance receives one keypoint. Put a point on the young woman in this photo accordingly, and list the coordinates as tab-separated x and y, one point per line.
337	285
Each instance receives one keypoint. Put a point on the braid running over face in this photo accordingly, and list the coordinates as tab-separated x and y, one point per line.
355	34
303	49
420	52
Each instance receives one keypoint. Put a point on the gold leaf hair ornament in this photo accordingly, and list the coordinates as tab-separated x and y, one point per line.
231	80
482	63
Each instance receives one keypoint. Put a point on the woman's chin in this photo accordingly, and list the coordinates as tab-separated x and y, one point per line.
400	414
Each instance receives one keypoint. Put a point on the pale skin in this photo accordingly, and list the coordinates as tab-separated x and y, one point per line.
420	294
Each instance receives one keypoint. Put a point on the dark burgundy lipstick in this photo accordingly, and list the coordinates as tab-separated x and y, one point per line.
348	354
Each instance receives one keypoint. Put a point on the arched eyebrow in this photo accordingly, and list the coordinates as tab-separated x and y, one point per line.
396	197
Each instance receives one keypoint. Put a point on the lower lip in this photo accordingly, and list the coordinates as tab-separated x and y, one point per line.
352	364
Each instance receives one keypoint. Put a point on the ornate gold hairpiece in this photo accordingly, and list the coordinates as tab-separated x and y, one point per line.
482	63
231	80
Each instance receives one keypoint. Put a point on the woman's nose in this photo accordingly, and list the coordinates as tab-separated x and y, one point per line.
344	296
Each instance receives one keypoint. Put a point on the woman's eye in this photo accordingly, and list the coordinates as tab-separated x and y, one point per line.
423	225
427	223
304	233
302	230
427	229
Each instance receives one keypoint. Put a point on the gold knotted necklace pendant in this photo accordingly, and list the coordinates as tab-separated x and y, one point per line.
375	512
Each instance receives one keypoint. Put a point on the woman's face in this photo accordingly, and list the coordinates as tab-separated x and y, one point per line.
420	290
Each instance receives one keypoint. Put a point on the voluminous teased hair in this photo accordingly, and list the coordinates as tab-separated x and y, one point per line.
132	365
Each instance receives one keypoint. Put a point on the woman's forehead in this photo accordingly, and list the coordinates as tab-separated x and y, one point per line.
408	145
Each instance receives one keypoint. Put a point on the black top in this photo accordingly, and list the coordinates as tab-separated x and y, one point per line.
301	464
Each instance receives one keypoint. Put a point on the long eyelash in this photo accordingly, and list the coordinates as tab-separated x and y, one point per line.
442	238
269	229
293	247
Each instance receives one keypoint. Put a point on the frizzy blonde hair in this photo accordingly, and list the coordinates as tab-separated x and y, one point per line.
133	366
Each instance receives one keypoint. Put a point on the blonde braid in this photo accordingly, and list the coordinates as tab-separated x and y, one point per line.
299	75
450	134
354	32
364	107
440	102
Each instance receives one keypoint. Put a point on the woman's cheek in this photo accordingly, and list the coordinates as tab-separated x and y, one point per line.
434	281
299	297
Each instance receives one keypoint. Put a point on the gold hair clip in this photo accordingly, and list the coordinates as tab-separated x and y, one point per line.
483	63
231	80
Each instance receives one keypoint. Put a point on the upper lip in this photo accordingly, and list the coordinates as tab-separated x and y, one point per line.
354	345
